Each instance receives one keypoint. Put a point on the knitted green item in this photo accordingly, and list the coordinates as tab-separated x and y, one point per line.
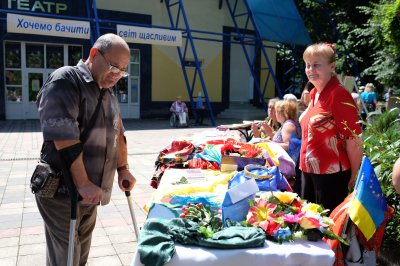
156	244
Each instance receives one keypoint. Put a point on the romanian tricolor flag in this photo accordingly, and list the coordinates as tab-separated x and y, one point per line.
368	207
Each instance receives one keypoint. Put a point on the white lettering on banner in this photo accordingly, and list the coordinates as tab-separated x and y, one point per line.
41	6
150	35
48	26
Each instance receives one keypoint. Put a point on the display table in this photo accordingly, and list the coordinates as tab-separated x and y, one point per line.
294	253
193	182
244	128
287	254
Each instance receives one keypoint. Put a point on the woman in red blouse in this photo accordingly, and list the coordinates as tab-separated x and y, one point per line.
331	149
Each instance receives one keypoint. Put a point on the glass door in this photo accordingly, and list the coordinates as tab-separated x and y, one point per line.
34	81
127	89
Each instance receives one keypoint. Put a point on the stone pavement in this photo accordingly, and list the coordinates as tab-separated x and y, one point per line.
22	240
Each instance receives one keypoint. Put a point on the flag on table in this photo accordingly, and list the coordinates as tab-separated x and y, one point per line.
368	207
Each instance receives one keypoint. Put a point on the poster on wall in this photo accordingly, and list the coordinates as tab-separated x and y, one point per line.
144	35
47	26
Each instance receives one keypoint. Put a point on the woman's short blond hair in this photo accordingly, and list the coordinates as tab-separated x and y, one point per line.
369	87
287	108
324	49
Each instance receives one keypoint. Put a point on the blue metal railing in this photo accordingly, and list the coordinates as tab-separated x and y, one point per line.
258	42
189	43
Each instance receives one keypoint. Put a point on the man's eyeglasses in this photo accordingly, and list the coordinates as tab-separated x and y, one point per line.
114	69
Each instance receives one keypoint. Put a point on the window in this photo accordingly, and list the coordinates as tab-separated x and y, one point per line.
38	57
135	75
54	56
35	82
12	72
74	54
125	93
12	55
35	55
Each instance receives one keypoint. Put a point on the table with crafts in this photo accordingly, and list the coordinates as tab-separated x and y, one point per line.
214	183
244	128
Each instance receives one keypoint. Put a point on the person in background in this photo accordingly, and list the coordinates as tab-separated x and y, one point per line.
387	96
290	97
305	97
200	109
286	115
396	175
270	125
66	104
331	149
357	100
369	97
180	109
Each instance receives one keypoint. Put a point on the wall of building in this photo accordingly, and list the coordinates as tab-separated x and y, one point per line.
162	78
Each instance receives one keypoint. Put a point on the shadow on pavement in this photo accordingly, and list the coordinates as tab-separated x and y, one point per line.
130	124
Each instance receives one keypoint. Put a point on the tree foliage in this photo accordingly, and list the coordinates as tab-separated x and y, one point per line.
366	34
381	145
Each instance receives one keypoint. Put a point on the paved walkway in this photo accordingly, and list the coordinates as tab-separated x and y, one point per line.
22	240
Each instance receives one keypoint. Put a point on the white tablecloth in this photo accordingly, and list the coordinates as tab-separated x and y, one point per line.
287	254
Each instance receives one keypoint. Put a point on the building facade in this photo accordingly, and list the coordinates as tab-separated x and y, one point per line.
40	36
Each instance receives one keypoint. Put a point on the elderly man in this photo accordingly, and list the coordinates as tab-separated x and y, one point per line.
67	103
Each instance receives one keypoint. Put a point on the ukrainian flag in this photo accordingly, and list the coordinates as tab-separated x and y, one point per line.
368	207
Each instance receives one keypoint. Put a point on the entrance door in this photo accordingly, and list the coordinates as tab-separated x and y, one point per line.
33	81
241	80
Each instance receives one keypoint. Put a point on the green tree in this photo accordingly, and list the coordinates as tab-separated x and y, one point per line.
381	35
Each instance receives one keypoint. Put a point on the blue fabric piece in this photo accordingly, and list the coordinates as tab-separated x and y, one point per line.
210	154
294	148
235	212
276	182
279	21
206	200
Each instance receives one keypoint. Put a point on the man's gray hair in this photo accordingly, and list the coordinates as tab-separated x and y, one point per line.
104	42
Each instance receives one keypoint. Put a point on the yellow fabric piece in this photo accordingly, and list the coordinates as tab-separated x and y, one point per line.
215	182
273	155
360	217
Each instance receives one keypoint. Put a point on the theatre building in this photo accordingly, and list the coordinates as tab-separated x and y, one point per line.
40	36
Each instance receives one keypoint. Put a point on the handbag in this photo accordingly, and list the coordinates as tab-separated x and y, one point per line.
45	181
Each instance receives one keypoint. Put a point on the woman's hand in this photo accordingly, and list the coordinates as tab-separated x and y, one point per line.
254	128
267	129
351	183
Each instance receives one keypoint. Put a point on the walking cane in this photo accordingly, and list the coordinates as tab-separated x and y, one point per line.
125	184
73	193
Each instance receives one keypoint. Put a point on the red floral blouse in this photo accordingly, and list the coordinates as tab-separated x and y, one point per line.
325	127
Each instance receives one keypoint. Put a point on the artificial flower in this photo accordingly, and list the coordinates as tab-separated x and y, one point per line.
283	233
312	207
285	197
293	218
262	215
284	216
208	220
309	222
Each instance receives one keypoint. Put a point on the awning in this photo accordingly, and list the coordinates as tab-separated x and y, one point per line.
279	21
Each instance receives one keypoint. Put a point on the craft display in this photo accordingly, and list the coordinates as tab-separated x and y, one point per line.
218	188
285	217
